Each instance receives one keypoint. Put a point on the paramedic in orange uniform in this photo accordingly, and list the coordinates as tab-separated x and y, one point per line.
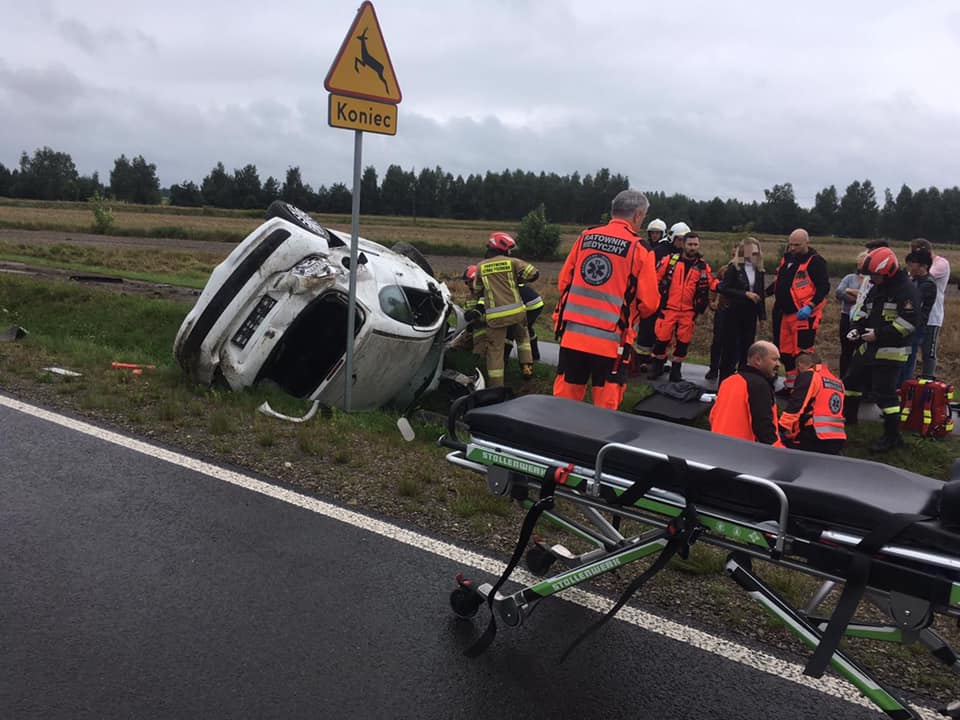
745	406
607	285
813	417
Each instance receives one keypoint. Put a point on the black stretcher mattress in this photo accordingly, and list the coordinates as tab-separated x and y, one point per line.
825	491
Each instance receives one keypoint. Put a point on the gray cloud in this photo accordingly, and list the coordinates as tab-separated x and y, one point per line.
699	98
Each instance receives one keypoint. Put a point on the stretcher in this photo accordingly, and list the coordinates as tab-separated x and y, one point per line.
890	538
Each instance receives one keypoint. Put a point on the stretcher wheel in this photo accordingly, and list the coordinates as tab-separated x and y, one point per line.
539	560
465	602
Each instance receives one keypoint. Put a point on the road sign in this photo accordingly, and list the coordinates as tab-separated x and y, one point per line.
362	68
356	114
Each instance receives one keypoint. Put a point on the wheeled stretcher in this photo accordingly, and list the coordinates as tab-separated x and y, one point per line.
888	536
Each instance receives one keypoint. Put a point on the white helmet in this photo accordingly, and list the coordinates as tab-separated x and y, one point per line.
657	224
680	228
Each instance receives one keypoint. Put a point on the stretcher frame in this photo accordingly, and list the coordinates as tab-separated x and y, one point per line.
519	474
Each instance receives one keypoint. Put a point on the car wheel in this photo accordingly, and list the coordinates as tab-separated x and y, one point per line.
300	218
409	251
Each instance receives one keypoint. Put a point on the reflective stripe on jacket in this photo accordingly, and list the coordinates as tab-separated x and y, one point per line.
818	403
685	285
606	285
500	277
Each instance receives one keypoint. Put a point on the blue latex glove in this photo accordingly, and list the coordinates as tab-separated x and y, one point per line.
805	312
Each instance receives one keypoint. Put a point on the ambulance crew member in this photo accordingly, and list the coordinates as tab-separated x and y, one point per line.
685	282
645	332
800	289
884	326
813	418
498	279
607	285
745	406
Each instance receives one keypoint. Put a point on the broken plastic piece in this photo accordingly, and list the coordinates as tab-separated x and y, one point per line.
14	333
62	371
406	430
270	412
132	366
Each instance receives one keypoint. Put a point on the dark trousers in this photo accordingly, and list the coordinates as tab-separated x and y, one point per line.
881	376
716	344
739	332
846	346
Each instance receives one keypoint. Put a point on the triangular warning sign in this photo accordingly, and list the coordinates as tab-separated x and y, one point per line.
362	68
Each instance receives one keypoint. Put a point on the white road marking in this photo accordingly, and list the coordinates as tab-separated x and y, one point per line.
726	649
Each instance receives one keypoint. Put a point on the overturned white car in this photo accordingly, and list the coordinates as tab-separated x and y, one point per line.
276	311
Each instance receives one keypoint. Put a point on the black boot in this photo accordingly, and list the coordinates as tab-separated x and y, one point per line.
851	407
656	369
675	371
891	437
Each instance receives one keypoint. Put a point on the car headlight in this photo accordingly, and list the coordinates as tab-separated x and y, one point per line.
311	274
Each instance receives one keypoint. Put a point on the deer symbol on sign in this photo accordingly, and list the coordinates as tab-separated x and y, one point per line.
368	60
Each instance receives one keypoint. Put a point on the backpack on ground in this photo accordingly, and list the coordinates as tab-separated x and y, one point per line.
925	407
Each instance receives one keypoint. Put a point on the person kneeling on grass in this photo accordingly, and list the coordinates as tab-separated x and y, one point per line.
813	418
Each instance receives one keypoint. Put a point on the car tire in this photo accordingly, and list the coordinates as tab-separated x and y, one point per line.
300	218
409	251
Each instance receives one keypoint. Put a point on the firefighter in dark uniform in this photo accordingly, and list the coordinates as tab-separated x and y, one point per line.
884	327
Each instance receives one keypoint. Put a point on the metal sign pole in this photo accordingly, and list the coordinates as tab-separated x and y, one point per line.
354	243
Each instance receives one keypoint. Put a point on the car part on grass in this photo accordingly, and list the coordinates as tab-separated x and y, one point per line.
265	409
62	371
13	333
275	311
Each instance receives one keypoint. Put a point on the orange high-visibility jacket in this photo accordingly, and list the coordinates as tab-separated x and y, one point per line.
688	283
607	284
802	288
733	412
817	402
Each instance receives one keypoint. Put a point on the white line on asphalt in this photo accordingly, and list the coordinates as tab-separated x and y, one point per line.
667	628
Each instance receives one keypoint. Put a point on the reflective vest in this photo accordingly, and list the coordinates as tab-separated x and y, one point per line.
597	307
731	412
802	289
500	277
688	290
822	408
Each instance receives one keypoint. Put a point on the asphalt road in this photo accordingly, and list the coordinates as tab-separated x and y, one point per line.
131	587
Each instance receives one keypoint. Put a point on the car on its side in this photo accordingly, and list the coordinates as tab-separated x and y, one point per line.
275	311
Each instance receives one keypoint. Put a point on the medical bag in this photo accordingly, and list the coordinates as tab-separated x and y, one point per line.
925	407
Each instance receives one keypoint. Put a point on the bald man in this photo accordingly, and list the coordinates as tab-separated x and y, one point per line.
800	289
745	406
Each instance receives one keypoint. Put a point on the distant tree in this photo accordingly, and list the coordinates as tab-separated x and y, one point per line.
86	187
246	187
369	192
906	222
48	175
886	223
6	182
135	181
218	188
714	216
186	194
823	216
270	191
858	213
536	239
340	199
933	224
294	191
779	213
395	197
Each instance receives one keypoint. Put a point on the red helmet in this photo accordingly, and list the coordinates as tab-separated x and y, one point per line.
501	241
881	261
470	274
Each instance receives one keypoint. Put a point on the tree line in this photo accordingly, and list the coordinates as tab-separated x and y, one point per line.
508	195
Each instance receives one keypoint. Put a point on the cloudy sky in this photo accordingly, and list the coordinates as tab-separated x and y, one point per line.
700	97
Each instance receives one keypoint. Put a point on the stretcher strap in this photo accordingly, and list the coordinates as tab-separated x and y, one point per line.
682	532
858	574
547	490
